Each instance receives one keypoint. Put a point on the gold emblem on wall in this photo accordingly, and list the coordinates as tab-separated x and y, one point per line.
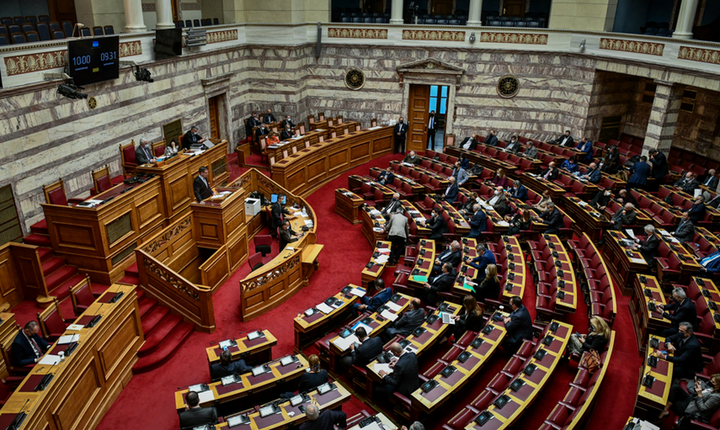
354	79
92	102
508	86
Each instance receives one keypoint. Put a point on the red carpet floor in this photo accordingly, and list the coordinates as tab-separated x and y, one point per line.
147	402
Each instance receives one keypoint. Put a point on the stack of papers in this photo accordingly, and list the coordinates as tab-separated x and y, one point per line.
64	340
75	327
322	307
389	315
357	292
367	328
382	259
382	366
344	343
393	306
206	396
50	359
384	250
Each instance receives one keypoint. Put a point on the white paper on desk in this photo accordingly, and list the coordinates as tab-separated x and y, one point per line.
50	359
583	204
447	318
393	306
75	327
290	248
663	232
389	315
206	396
308	222
324	308
374	128
357	292
384	250
382	366
697	192
382	259
378	229
344	344
673	240
375	212
637	260
502	223
70	338
630	232
373	426
367	328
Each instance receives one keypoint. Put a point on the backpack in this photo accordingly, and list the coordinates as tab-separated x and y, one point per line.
592	362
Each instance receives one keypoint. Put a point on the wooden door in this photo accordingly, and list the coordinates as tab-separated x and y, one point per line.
442	7
417	117
62	10
213	115
514	8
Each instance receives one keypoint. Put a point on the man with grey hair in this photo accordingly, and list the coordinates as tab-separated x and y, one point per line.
28	346
625	217
681	309
687	355
478	222
324	420
552	217
397	232
143	153
451	254
417	425
648	247
404	377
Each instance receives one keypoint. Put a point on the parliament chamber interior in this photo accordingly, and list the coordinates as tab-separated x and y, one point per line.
373	214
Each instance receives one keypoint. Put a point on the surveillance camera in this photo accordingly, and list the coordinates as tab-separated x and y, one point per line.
143	75
71	91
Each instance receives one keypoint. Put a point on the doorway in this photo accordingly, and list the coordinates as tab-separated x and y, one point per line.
214	117
423	100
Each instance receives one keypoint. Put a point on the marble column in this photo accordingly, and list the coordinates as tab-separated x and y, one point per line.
663	117
134	22
686	18
163	9
474	12
396	14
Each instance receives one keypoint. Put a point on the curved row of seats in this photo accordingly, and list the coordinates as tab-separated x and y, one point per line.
600	286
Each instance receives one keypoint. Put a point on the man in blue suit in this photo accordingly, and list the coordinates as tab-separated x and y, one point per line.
452	191
372	304
518	326
386	176
478	223
697	210
518	191
585	146
28	346
640	172
592	174
485	257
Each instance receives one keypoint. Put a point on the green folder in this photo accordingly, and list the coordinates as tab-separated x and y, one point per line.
420	278
465	285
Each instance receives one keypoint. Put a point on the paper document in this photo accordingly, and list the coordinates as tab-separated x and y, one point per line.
373	426
50	359
637	260
447	318
64	340
630	232
382	259
378	229
389	315
374	128
502	223
375	212
384	250
382	366
393	306
206	396
344	344
367	328
75	327
290	248
322	307
357	292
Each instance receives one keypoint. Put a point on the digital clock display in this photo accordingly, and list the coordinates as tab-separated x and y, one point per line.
94	60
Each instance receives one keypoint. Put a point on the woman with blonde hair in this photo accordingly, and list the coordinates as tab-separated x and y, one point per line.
314	377
470	318
596	339
490	285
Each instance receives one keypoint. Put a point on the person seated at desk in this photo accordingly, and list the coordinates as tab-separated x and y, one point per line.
201	186
468	208
697	210
452	254
324	420
272	139
711	181
393	205
551	173
592	174
639	174
624	218
699	402
499	180
387	177
470	143
478	223
601	199
171	149
518	326
486	284
610	162
711	263
571	164
268	118
287	235
439	284
437	225
687	183
143	153
518	191
407	323
252	122
261	131
195	416
520	222
287	133
411	158
685	231
368	304
544	202
314	377
681	309
287	121
192	138
530	150
470	318
513	146
452	190
564	140
585	148
404	377
369	348
227	366
552	217
499	202
484	257
648	247
491	139
624	196
596	340
687	355
417	425
28	346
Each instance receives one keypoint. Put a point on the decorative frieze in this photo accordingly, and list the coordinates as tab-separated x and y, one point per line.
28	63
522	38
636	47
436	35
701	55
128	49
358	33
221	36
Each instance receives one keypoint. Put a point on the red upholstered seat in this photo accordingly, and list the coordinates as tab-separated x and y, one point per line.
255	261
159	150
129	153
463	417
57	197
104	184
51	323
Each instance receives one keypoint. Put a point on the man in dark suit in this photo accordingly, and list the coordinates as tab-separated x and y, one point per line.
393	205
710	181
194	415
227	367
369	348
499	202
518	191
639	174
659	165
565	140
28	346
610	162
286	133
191	138
386	176
485	257
513	146
201	186
452	190
372	304
491	139
592	174
552	217
325	420
441	283
551	173
143	153
287	235
624	197
470	142
437	224
399	132
251	123
685	231
681	309
407	323
687	183
452	254
601	199
411	158
624	218
687	355
404	377
530	150
287	121
518	326
268	118
697	210
431	129
478	223
261	131
648	247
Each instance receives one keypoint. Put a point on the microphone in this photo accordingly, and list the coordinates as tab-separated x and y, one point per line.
19	418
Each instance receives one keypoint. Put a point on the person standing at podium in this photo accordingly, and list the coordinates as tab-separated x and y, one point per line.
28	346
201	186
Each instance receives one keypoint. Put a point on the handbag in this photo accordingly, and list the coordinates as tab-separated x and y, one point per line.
592	362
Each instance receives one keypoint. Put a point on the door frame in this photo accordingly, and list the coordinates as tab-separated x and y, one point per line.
219	87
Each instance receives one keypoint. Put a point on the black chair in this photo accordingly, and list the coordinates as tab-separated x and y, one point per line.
4	30
533	24
380	20
528	18
366	15
18	38
492	18
377	15
109	30
32	19
463	21
521	24
32	36
442	21
354	15
98	31
179	24
430	21
357	19
369	20
508	24
651	31
504	18
454	22
19	20
438	16
425	16
196	23
495	23
515	18
346	19
449	17
344	14
54	25
188	23
14	28
43	31
4	40
44	18
216	21
58	34
67	27
27	27
85	32
665	32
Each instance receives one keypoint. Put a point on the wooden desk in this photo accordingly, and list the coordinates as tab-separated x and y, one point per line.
650	401
568	304
645	321
347	205
89	380
311	168
8	332
624	267
291	146
423	264
373	225
483	159
251	351
381	419
518	268
588	220
539	185
310	328
375	271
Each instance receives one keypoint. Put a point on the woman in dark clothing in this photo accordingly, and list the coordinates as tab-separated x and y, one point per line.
596	339
470	318
489	287
314	377
701	399
521	221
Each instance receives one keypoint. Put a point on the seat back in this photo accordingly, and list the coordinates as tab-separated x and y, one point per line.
82	295
67	27
109	30
50	320
18	38
43	31
102	183
127	155
57	34
158	148
55	193
98	31
255	261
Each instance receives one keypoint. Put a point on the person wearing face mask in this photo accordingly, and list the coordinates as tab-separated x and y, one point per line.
513	146
393	205
441	283
460	174
681	309
478	223
685	231
601	199
485	257
386	176
286	133
437	224
499	202
287	122
467	208
687	355
530	150
487	287
518	191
